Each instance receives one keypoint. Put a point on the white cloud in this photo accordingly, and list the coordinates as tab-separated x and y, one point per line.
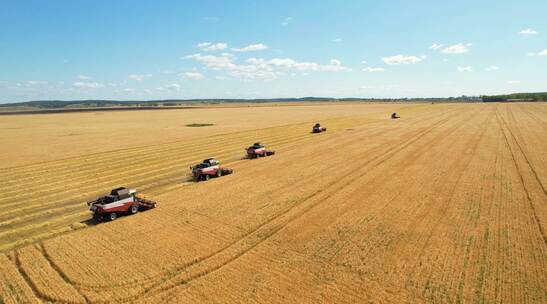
252	47
459	48
465	69
170	87
492	68
401	59
83	77
335	62
287	21
379	87
36	82
31	83
373	70
528	32
364	62
139	77
193	75
203	44
88	85
337	40
334	65
436	46
128	90
208	46
513	82
540	53
260	68
213	62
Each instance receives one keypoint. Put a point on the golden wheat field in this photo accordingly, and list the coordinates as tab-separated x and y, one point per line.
446	205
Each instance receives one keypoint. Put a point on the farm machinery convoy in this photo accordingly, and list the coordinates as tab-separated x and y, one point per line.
122	200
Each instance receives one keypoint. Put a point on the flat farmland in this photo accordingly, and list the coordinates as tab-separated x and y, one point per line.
446	205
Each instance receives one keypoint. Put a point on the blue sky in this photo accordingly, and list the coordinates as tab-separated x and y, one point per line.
140	50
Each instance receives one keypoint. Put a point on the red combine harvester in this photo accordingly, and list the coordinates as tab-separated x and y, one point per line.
209	168
318	129
258	150
120	201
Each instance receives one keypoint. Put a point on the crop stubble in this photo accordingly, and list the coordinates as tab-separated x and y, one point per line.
447	204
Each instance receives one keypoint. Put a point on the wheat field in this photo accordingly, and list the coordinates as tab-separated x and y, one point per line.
446	205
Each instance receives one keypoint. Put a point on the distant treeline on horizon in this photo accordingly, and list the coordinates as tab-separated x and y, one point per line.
67	104
516	97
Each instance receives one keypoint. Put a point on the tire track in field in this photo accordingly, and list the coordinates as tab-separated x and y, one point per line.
457	126
503	125
35	290
58	270
534	117
515	124
475	140
416	153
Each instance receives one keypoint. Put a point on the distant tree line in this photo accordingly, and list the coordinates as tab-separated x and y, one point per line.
73	104
516	97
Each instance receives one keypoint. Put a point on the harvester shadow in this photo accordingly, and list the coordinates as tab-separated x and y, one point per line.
90	222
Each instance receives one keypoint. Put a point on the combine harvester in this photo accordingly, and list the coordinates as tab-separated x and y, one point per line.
209	168
318	129
120	201
258	150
